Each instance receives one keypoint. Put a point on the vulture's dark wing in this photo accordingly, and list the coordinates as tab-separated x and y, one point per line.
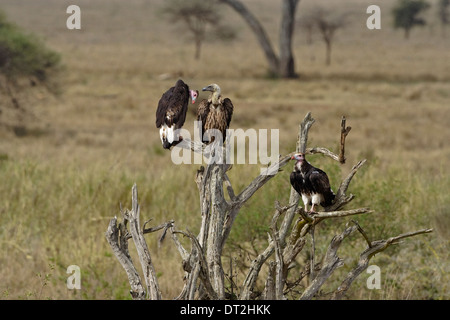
178	105
296	181
321	184
173	105
319	181
228	108
202	114
163	105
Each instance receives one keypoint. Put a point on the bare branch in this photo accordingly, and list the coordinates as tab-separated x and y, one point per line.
331	262
323	151
252	275
151	281
306	124
394	240
313	252
341	198
203	264
336	214
112	236
364	234
344	132
229	187
269	288
374	248
279	262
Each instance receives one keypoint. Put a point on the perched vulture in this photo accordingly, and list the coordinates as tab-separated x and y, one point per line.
311	183
171	112
214	113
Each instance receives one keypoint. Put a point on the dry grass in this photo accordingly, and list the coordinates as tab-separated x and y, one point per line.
82	149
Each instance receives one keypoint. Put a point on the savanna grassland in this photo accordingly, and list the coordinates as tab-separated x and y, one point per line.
70	155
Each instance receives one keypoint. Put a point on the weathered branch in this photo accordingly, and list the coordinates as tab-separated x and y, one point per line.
344	132
323	151
341	198
374	248
330	264
306	124
112	236
249	191
214	243
269	288
203	265
363	233
338	214
132	216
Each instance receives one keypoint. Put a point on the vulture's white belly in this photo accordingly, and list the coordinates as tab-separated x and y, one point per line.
314	198
166	133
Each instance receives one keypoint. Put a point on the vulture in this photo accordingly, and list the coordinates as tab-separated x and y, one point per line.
214	113
311	183
171	112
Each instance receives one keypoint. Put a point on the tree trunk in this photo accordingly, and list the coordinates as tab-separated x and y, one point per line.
282	66
259	32
287	65
198	46
407	33
328	53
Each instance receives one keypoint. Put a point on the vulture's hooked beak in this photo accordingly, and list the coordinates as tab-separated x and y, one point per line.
208	88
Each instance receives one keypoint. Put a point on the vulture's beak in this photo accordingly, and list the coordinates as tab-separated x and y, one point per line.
208	88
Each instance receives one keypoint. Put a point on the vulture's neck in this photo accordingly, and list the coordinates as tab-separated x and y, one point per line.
303	166
215	98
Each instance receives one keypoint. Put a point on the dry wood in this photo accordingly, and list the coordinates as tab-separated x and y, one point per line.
121	252
331	262
132	216
374	248
344	132
204	277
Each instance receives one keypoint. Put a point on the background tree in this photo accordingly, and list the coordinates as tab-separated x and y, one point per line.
198	17
406	14
327	23
283	65
444	14
307	23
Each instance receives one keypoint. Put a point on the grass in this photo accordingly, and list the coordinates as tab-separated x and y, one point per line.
81	151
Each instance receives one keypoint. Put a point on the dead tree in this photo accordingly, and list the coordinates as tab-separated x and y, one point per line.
204	276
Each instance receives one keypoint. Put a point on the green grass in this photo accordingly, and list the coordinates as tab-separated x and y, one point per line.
57	215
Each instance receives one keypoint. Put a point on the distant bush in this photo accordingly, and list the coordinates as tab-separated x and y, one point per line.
23	54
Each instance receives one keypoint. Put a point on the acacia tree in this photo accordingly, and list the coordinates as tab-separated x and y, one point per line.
204	275
198	16
327	23
281	65
407	14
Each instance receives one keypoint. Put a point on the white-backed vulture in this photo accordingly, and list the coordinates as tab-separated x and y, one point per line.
214	113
